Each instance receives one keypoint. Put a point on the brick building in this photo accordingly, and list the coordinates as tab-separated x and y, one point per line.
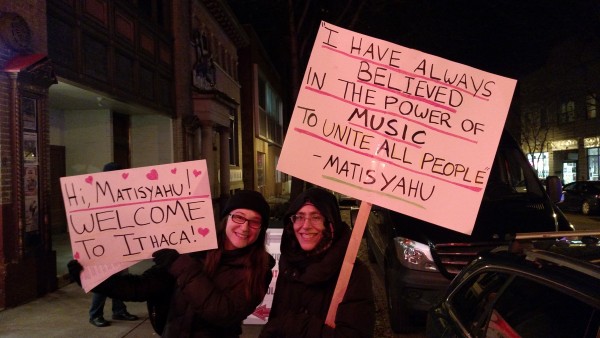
86	82
27	267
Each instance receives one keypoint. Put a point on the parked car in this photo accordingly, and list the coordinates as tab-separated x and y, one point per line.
524	291
419	259
581	196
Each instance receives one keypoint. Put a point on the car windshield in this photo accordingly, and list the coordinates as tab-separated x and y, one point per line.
508	179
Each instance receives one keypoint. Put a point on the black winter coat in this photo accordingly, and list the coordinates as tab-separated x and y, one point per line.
306	283
200	306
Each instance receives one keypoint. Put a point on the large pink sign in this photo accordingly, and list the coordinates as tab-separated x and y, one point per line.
396	127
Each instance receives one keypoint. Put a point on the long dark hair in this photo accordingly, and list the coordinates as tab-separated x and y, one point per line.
256	261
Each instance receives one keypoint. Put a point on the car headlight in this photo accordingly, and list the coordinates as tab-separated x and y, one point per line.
414	255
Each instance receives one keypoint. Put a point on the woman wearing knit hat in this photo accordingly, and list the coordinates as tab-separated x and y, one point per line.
207	293
313	247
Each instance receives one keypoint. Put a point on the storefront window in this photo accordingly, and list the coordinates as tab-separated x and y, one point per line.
593	155
539	162
569	172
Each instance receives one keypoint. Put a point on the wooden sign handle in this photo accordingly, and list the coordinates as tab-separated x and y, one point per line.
348	264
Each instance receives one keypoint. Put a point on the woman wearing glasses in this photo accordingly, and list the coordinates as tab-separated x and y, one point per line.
313	247
209	293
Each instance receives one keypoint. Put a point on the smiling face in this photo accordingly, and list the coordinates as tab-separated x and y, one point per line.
309	226
240	235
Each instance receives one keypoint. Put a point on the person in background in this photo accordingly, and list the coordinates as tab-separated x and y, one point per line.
119	309
207	293
313	247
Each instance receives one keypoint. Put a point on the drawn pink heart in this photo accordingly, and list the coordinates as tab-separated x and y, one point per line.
76	255
125	175
89	179
197	172
152	175
173	171
203	231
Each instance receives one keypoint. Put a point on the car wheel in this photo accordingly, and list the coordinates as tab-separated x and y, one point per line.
399	315
585	208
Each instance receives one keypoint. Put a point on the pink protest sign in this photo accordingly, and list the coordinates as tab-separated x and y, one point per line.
124	216
396	127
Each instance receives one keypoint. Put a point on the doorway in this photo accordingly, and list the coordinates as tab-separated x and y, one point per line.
569	172
61	243
58	220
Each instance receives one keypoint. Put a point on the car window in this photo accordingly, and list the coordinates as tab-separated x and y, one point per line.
532	309
511	176
594	187
471	302
569	187
497	304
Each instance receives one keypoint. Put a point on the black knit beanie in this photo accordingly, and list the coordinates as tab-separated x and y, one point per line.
248	199
110	166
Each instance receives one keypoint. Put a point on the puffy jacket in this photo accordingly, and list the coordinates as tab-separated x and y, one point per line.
199	306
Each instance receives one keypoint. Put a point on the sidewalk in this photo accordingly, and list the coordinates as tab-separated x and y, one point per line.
64	313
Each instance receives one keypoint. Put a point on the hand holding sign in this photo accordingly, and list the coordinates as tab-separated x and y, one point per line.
163	258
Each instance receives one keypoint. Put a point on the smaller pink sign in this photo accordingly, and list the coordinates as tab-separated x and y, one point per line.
117	218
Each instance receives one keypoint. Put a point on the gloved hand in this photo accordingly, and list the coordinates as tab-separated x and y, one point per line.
163	258
75	271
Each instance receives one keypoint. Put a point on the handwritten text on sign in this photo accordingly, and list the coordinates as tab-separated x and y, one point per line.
126	215
396	127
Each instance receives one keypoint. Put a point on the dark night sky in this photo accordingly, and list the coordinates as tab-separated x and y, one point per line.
507	37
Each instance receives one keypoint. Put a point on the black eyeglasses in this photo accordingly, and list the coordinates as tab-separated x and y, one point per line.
312	219
239	219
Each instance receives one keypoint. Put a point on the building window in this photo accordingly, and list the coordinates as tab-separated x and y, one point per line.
260	170
539	162
234	156
235	70
227	63
591	105
270	119
567	112
278	174
157	11
593	157
121	125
